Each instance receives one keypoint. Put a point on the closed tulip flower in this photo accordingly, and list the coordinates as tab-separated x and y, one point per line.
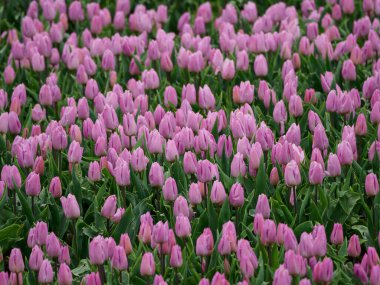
349	70
205	171
236	196
182	226
371	185
109	207
169	189
323	271
190	163
98	250
33	184
156	175
122	174
274	177
268	232
16	262
36	258
228	69
205	243
53	246
119	259
176	256
316	173
218	194
292	174
262	206
70	207
282	276
295	106
333	165
337	234
260	65
75	152
94	171
147	267
195	196
354	248
345	153
238	167
46	273
65	276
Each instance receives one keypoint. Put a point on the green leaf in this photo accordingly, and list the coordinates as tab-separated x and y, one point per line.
27	211
123	225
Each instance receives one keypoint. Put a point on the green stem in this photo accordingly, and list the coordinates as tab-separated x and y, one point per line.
102	273
315	194
123	195
14	202
162	259
33	205
295	199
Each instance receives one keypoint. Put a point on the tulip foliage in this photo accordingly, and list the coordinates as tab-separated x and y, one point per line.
190	143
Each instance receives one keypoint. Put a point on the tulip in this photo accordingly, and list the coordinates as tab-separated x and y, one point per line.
205	243
16	262
147	267
218	193
98	250
70	206
262	206
195	196
156	175
238	167
176	256
268	232
182	226
46	273
65	276
282	276
169	189
36	258
119	258
261	65
33	184
353	248
109	207
94	171
64	255
228	69
53	246
236	196
333	165
345	153
316	173
337	234
349	70
75	152
274	177
360	273
181	207
41	233
323	271
371	185
292	174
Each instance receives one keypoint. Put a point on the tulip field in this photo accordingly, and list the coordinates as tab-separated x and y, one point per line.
189	142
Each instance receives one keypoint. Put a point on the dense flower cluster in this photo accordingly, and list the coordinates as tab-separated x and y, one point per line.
239	147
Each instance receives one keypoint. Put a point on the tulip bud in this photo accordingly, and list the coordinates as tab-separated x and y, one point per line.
274	177
261	65
64	275
176	256
119	258
36	258
16	262
147	267
205	243
371	185
353	248
46	273
109	207
262	206
323	271
169	189
182	226
236	196
337	234
156	175
292	174
195	196
70	206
